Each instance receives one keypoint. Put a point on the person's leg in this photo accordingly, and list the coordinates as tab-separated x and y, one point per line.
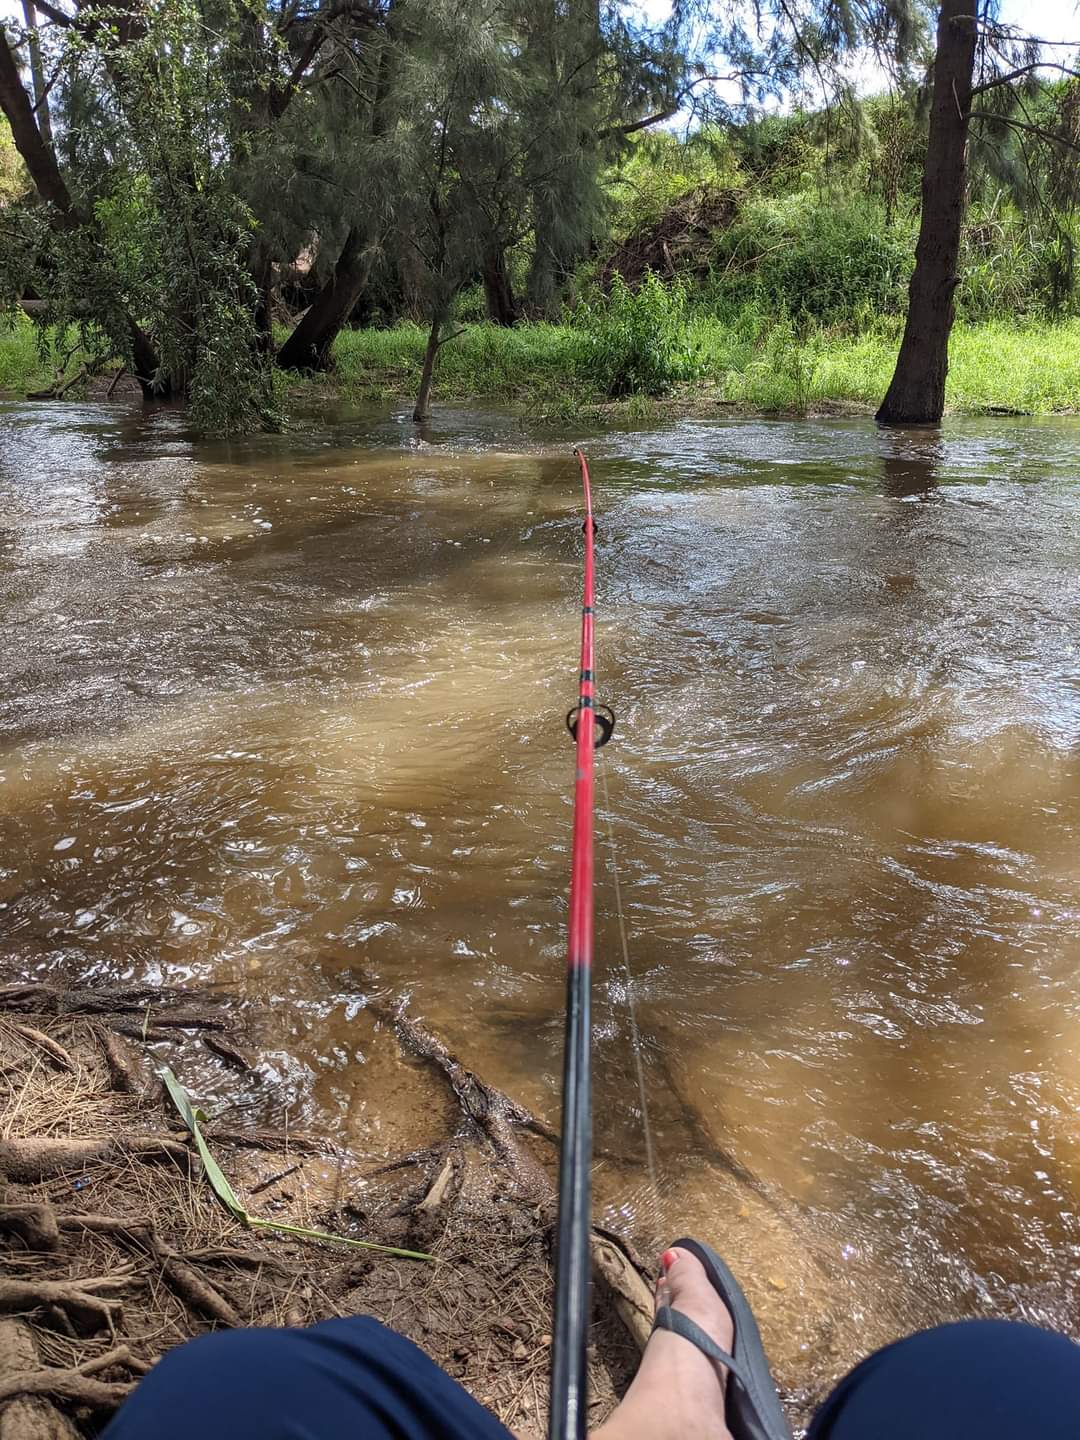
342	1380
977	1380
678	1393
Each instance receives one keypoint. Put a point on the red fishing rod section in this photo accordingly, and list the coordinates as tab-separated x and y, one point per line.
590	726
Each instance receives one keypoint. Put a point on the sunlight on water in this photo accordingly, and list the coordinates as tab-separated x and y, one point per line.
286	717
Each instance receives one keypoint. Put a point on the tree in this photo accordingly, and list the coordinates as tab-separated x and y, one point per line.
975	58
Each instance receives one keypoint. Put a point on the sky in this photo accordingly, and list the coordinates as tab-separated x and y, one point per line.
1048	19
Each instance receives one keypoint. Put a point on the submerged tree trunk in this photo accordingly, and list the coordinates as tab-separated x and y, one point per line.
422	409
308	347
917	393
502	306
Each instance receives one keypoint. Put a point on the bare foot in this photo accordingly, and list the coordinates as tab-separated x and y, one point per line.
678	1393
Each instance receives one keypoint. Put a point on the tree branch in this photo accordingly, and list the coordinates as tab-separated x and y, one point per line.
1047	135
26	132
56	16
1000	80
633	126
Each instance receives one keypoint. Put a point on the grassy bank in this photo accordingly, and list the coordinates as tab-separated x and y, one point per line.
1032	368
748	362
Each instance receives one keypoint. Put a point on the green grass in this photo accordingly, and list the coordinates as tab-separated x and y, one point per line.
22	365
30	359
761	365
1032	367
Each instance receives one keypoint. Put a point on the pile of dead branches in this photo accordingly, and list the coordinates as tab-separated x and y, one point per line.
679	243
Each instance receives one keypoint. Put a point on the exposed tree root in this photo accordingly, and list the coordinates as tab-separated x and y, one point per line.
274	1140
127	1074
493	1113
56	1053
87	1304
75	1385
26	1417
224	1051
196	1292
155	1001
43	1158
34	1225
181	1277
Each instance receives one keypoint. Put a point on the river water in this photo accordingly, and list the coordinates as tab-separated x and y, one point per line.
285	717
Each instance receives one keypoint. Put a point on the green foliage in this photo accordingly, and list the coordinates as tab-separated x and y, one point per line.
14	181
28	356
635	343
751	361
829	259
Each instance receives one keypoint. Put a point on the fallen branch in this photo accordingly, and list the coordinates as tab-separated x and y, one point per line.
631	1296
281	1175
438	1192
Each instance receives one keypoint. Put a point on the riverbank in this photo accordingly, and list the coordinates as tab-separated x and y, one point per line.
118	1248
748	365
770	368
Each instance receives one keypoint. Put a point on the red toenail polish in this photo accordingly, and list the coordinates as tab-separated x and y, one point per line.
668	1259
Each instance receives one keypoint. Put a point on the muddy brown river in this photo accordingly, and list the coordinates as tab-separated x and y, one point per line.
285	717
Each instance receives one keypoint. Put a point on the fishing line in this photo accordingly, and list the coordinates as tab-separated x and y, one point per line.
631	1004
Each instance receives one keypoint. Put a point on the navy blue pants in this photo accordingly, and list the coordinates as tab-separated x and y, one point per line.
355	1380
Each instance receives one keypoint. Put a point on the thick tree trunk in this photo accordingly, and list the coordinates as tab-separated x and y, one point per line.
37	156
502	306
422	410
917	393
308	347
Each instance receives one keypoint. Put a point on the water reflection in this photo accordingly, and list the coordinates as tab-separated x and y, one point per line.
285	716
912	460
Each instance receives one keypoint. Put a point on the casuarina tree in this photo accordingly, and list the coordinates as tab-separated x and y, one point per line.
983	73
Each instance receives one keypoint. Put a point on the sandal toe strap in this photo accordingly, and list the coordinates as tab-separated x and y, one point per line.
680	1324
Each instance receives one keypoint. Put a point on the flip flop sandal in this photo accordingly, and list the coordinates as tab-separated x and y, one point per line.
753	1410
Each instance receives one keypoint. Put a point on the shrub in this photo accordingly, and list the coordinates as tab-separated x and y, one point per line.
634	342
823	261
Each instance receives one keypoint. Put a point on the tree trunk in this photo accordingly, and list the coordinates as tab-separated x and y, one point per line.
262	273
502	306
422	410
308	347
37	156
917	393
37	72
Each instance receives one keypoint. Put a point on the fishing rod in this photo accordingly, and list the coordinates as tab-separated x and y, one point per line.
591	726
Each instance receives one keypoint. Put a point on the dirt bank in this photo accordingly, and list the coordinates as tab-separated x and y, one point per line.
115	1246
